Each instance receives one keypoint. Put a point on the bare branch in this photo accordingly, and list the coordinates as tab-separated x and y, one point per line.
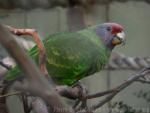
5	65
100	94
10	94
143	81
113	92
119	88
133	78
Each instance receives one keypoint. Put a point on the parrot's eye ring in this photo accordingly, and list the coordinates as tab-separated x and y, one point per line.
108	28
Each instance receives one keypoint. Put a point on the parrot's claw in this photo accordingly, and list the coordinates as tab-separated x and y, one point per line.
82	101
82	90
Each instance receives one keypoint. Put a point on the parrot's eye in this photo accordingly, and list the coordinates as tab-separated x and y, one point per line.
108	28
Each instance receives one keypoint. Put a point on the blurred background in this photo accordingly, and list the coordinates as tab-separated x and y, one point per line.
51	16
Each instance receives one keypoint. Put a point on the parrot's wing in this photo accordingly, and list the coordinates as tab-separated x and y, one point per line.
72	56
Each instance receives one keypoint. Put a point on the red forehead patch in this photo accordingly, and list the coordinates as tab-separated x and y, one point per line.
116	28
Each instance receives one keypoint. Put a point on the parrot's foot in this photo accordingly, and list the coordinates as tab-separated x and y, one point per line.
82	96
82	90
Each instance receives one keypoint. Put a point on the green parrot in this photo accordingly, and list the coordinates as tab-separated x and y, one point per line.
71	56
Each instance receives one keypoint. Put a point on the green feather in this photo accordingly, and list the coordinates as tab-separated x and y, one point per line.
70	56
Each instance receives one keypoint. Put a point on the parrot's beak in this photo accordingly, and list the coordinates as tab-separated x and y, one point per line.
119	39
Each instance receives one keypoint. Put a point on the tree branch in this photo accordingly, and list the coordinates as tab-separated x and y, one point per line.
143	81
37	84
5	65
119	88
113	92
100	94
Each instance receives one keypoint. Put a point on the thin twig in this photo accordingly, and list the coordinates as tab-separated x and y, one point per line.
5	65
143	81
11	94
25	103
76	104
100	94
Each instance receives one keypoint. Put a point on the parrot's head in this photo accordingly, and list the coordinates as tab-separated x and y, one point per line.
112	34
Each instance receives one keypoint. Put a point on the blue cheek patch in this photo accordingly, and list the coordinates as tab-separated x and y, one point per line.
101	32
104	34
